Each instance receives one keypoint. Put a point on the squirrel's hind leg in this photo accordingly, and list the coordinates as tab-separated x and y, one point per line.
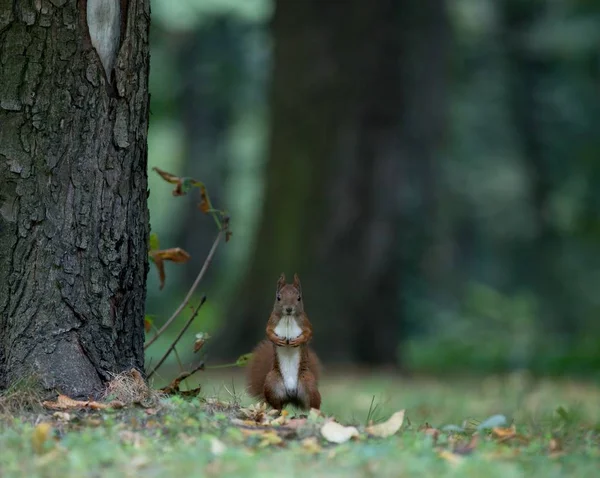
274	391
308	395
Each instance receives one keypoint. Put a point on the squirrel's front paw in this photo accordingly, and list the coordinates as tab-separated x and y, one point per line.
280	342
294	342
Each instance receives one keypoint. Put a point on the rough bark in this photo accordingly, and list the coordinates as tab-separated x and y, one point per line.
341	145
73	191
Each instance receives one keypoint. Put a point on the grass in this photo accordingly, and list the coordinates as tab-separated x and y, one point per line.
560	420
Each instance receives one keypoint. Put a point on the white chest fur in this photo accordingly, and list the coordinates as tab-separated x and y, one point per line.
288	357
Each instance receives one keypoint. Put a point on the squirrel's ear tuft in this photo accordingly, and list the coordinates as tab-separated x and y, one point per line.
281	281
297	282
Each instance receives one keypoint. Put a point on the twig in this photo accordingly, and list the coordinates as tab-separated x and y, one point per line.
181	332
208	260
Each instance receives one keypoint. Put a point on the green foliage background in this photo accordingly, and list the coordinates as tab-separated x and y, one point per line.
489	313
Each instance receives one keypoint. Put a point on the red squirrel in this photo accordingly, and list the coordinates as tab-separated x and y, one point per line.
283	369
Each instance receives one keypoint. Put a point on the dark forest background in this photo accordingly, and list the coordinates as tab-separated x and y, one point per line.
429	168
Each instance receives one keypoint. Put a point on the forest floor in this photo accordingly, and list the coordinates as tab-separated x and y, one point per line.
506	426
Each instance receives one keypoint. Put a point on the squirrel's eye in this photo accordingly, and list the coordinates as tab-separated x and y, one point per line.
278	297
299	298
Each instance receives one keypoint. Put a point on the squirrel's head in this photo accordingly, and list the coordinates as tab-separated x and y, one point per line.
288	297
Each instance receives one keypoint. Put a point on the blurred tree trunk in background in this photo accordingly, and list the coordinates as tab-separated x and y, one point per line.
73	194
357	101
527	70
210	88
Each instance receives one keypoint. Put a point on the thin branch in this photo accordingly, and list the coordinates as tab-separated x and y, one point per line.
181	332
208	260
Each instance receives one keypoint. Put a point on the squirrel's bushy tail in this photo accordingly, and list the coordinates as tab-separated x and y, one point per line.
259	366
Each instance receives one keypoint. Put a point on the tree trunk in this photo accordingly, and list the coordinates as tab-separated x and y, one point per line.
73	197
335	204
539	264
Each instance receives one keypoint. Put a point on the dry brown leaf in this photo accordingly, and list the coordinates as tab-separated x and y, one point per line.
204	205
201	339
66	403
175	254
336	433
256	413
311	445
388	428
151	411
170	178
504	433
147	324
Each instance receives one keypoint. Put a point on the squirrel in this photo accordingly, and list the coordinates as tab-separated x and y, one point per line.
283	369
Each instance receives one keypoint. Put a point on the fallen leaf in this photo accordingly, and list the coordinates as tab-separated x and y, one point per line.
461	448
507	434
336	433
281	419
295	423
217	447
311	445
41	434
504	433
270	438
151	411
388	428
555	445
450	457
63	416
66	403
256	413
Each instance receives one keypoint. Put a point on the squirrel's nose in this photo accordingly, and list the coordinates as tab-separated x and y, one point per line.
289	310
